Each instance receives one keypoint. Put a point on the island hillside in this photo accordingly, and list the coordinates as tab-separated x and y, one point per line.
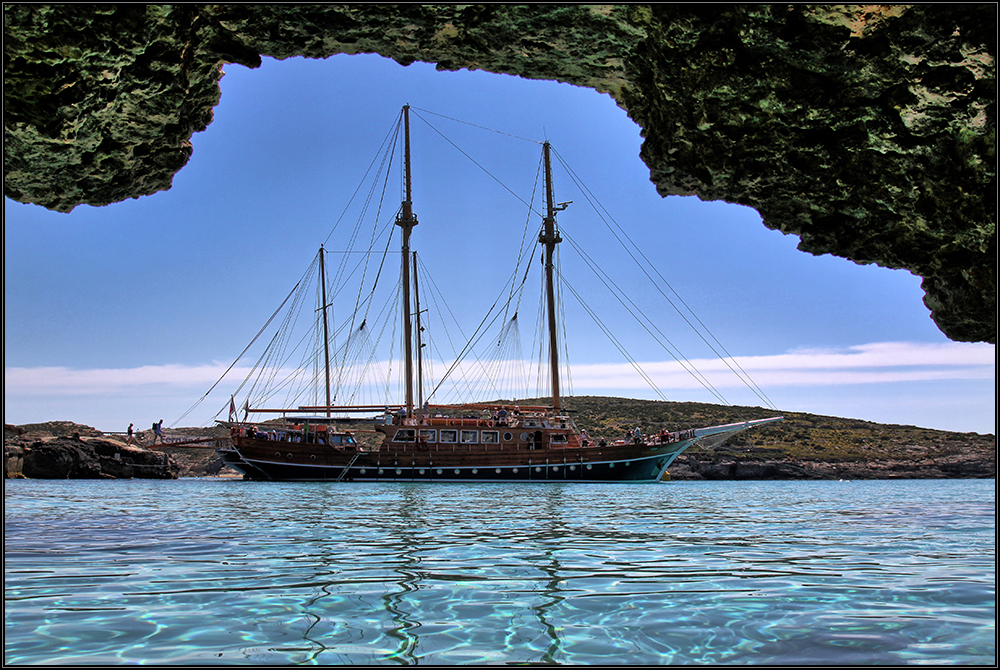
804	446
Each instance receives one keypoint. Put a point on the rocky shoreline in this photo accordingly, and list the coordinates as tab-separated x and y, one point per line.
79	457
64	450
966	466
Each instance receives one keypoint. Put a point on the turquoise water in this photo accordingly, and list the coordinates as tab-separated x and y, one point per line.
224	571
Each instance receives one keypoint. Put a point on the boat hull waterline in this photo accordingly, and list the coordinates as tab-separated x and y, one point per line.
280	459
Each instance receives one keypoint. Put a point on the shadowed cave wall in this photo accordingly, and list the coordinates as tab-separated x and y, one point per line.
868	131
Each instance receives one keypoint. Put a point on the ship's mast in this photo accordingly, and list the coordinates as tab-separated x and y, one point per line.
406	220
326	327
420	344
550	238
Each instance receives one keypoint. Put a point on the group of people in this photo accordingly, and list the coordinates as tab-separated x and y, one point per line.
500	417
635	436
307	434
157	433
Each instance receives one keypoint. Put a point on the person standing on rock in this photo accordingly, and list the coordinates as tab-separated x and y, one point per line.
131	435
158	432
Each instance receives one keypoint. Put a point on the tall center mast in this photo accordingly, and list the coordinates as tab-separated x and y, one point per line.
406	220
550	238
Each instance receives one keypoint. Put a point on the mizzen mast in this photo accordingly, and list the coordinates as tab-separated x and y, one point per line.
550	238
406	220
326	326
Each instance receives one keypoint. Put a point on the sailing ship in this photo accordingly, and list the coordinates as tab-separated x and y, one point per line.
498	441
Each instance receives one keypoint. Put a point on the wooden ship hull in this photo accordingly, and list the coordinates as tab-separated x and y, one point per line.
463	450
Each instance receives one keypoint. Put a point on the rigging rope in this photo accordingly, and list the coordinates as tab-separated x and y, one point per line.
744	377
499	132
461	151
262	329
614	340
622	298
393	129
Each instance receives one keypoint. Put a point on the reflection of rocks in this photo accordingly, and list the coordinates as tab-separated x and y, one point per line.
82	458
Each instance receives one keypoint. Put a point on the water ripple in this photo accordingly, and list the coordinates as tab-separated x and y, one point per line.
212	572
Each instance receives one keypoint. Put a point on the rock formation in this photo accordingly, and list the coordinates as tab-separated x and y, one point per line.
726	467
868	131
40	455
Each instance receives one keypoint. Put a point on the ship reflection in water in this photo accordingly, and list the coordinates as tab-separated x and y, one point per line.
435	593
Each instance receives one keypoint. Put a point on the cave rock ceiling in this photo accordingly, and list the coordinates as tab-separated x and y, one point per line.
868	131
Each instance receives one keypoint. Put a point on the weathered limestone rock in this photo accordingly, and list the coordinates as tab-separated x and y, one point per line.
867	130
956	466
83	458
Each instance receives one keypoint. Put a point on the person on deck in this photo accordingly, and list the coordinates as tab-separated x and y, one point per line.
158	432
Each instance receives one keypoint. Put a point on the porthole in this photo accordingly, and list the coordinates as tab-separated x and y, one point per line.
538	469
572	468
312	457
526	437
498	471
627	463
456	471
277	454
555	468
380	470
611	465
514	471
475	471
421	471
590	467
289	455
363	471
507	437
398	471
439	470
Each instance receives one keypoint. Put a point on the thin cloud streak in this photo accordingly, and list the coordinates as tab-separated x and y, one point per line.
875	363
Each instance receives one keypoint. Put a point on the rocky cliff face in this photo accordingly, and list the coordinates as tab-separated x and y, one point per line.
868	131
40	455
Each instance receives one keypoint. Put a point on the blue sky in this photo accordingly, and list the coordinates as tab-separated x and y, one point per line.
130	312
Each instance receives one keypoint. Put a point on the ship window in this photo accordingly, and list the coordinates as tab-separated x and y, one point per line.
491	437
405	435
558	439
333	439
428	434
449	436
470	436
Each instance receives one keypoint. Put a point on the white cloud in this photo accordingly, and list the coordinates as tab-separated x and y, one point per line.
69	381
831	379
875	363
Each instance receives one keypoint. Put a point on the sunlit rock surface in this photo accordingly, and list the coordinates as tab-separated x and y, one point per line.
867	130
